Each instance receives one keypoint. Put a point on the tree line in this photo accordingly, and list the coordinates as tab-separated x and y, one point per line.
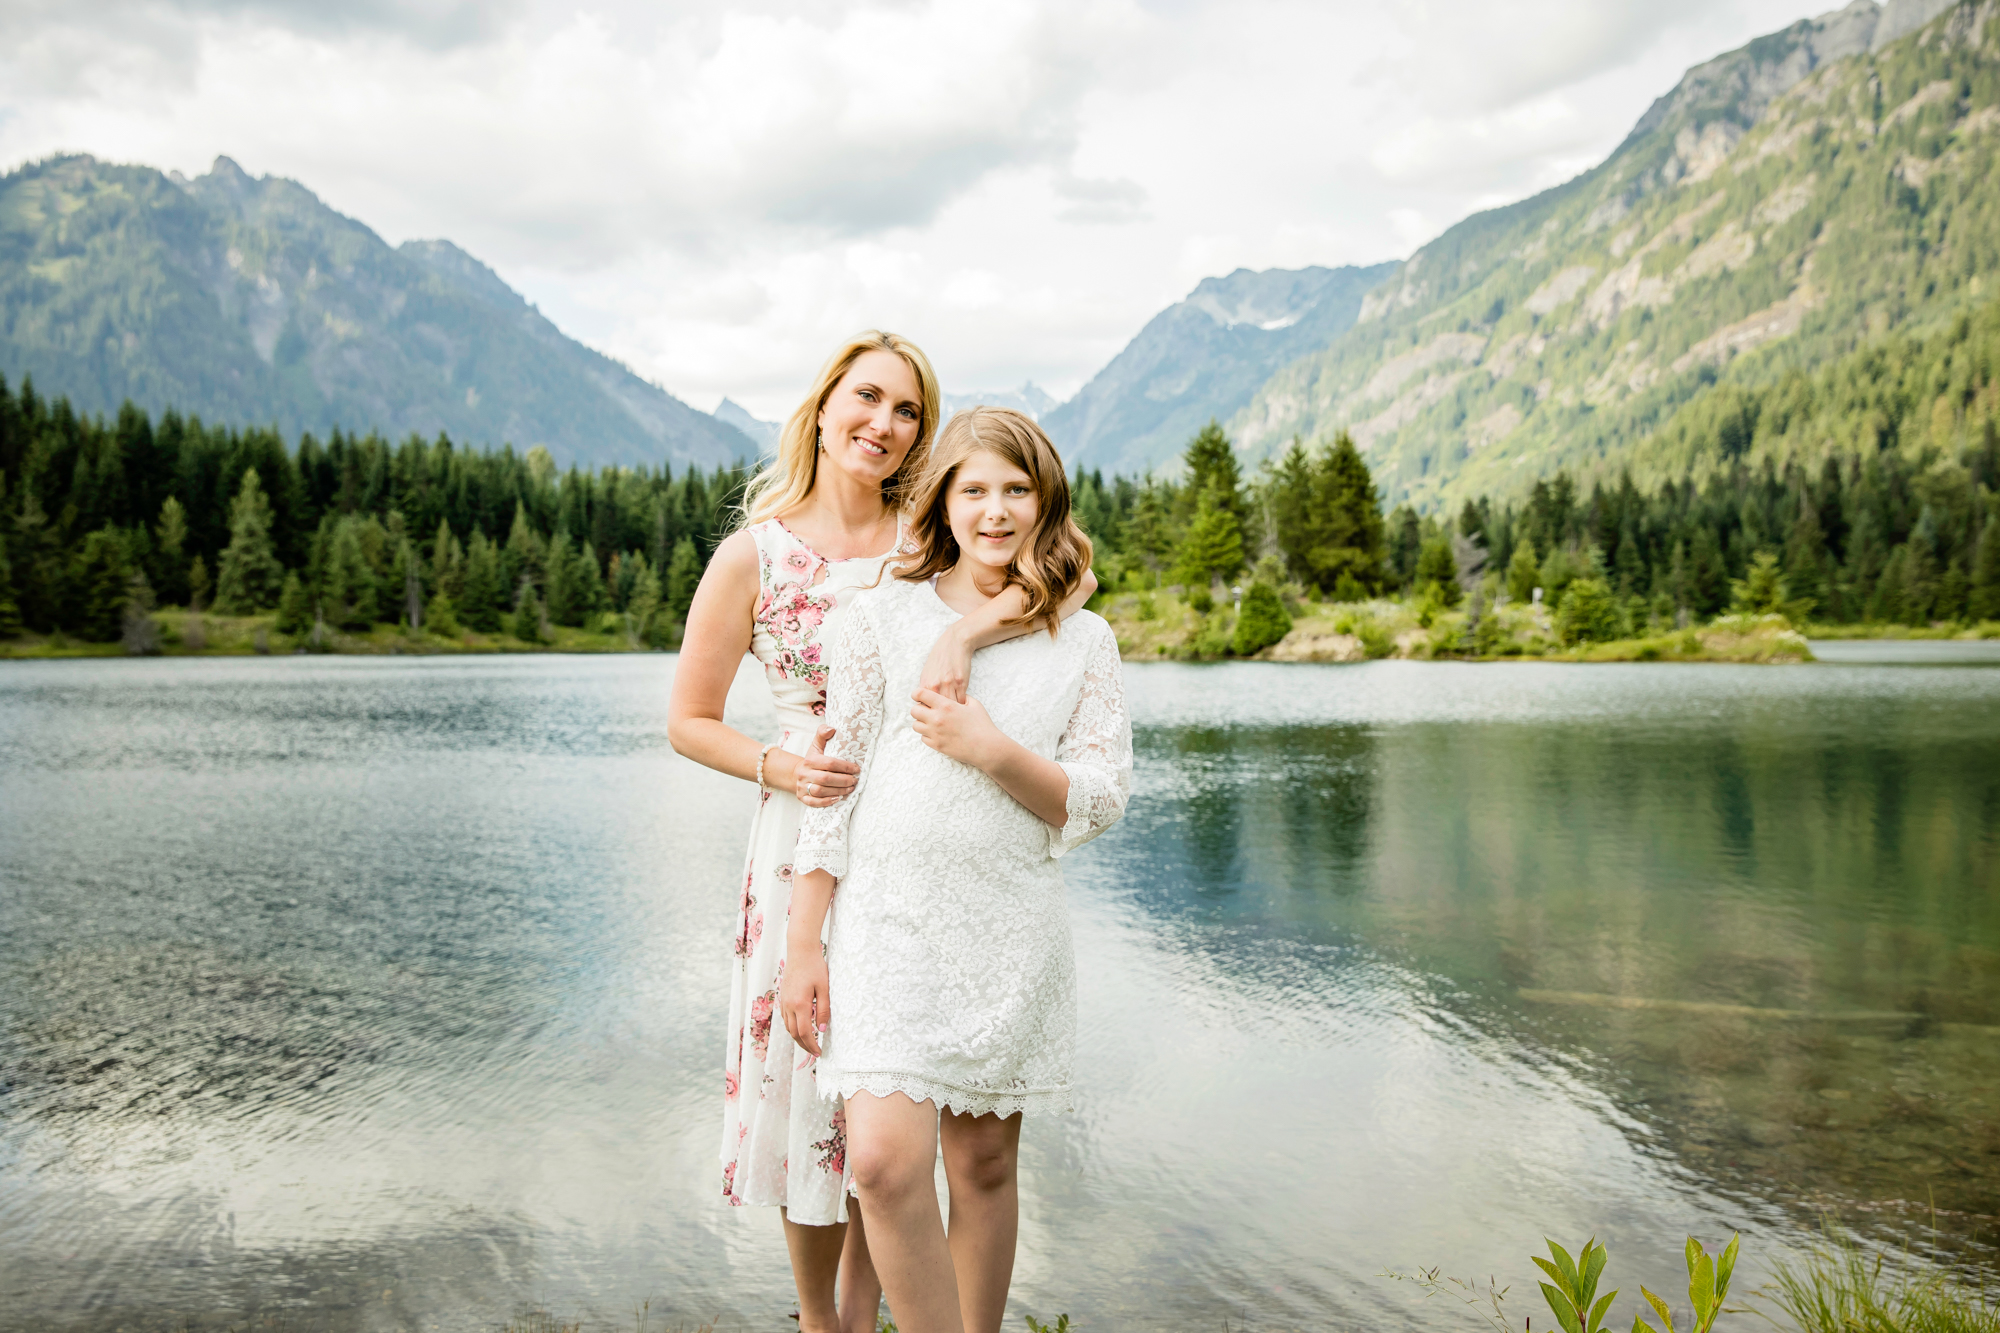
99	518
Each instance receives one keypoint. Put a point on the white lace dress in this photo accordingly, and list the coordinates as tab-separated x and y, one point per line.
950	969
782	1142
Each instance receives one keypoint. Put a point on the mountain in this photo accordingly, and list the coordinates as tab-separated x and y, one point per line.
1030	398
1782	205
1204	357
244	299
765	433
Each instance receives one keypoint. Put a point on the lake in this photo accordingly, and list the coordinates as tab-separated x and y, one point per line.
388	993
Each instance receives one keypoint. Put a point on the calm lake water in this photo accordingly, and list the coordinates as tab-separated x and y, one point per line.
389	993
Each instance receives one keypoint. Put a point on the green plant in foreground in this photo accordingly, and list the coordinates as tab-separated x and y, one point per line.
1572	1294
1575	1287
1708	1284
1037	1326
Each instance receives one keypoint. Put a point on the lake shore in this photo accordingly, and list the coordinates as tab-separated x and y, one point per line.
1151	627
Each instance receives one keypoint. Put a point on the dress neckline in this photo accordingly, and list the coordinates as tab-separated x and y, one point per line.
895	545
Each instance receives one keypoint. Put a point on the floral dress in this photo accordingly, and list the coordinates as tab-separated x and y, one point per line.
782	1143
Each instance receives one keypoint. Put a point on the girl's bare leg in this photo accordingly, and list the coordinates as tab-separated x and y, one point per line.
815	1262
981	1157
893	1143
860	1286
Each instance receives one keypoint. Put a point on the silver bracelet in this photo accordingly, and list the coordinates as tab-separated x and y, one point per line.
762	755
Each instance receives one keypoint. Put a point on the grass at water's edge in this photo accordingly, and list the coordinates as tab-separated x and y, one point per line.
1151	627
1162	626
206	634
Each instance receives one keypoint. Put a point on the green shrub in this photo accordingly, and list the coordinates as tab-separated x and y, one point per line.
1200	601
1261	622
1589	613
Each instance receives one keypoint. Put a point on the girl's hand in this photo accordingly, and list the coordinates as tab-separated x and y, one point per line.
961	731
803	996
949	665
821	779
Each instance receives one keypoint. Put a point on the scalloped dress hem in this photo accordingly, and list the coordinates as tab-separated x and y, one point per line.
947	1096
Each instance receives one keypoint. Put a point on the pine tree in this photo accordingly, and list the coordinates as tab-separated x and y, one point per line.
1983	596
139	633
170	559
1354	543
1889	602
683	574
441	616
198	584
484	596
347	595
643	608
1805	559
1210	460
101	576
524	552
1707	576
295	609
563	591
1213	545
1435	567
1589	613
526	622
1762	590
1261	622
250	576
447	562
1524	575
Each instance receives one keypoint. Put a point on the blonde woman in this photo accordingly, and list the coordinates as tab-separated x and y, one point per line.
821	521
943	1003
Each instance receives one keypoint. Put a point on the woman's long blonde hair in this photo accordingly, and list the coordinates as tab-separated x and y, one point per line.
789	478
1051	563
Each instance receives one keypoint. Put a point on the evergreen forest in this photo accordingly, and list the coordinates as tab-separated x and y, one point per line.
1868	492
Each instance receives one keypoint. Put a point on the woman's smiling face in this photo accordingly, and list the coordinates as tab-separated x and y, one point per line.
870	420
991	507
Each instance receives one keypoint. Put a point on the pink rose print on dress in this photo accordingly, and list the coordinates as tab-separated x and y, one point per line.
833	1150
753	930
798	560
785	874
729	1184
760	1022
731	1085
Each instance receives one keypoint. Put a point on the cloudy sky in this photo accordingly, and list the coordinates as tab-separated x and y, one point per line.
716	192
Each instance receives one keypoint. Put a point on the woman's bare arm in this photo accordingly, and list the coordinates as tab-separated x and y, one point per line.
717	636
950	660
804	997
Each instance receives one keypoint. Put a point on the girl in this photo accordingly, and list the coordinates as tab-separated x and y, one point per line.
822	520
947	984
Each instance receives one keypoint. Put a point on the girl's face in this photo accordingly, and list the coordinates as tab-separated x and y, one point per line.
870	420
991	508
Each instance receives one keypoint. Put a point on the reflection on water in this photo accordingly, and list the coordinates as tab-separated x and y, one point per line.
389	994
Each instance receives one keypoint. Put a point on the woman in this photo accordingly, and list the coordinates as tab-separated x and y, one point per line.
944	1003
822	519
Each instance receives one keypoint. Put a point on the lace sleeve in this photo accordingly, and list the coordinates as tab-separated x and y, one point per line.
1096	751
855	685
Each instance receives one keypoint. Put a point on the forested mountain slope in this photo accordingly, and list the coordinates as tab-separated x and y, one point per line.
1785	204
1204	357
249	300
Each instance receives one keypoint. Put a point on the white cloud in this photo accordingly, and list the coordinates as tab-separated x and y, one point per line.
718	193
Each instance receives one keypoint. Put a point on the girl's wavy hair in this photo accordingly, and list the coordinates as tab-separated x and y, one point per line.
788	478
1051	563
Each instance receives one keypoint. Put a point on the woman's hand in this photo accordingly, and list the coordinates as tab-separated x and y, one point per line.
962	731
821	779
803	996
949	665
